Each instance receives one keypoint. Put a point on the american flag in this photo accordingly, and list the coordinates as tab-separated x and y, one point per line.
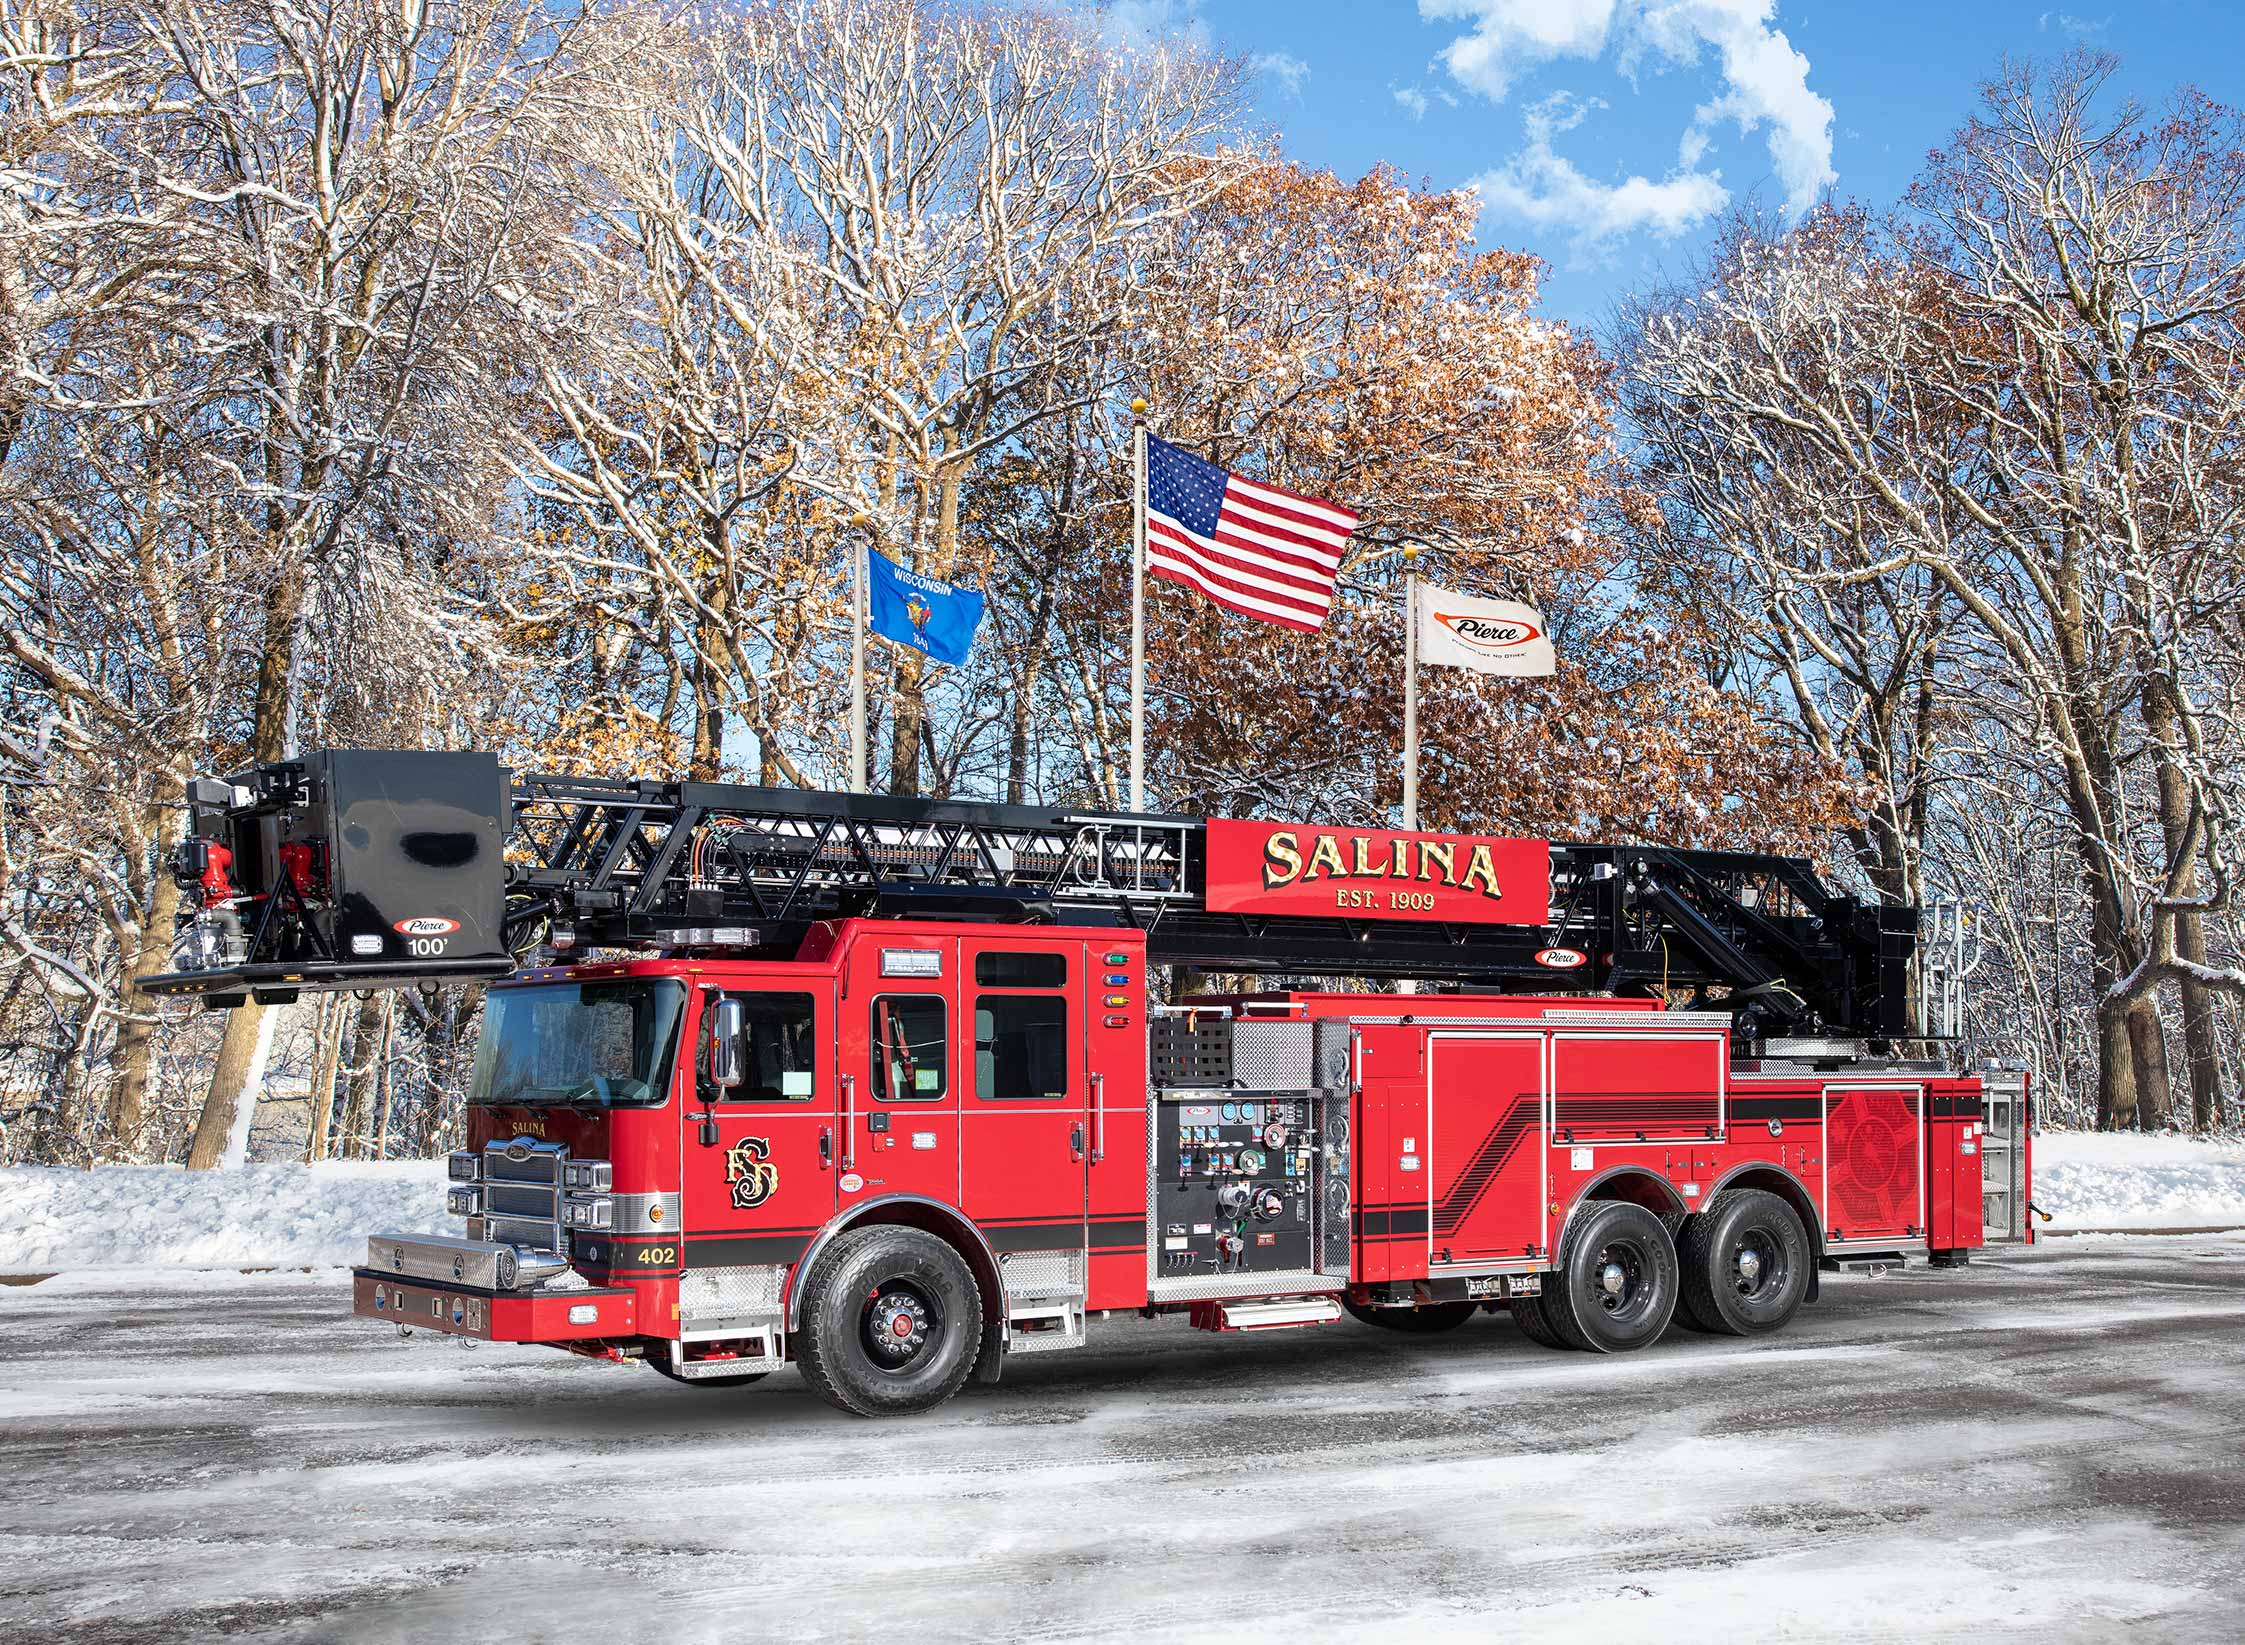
1249	547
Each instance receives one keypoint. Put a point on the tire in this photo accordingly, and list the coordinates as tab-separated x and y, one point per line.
1424	1320
1616	1285
1746	1264
660	1360
1534	1323
891	1323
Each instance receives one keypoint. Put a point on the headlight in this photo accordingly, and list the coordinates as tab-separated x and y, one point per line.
463	1202
591	1175
463	1167
588	1211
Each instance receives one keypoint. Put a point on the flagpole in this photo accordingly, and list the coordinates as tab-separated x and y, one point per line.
1411	686
862	545
1138	605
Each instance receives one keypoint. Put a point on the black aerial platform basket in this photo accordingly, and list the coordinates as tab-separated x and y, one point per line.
348	868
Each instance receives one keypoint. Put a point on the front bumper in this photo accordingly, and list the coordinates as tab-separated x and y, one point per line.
494	1316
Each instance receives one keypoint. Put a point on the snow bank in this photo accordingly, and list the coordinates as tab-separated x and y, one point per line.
2088	1179
252	1217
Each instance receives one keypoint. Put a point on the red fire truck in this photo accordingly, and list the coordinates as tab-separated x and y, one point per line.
881	1086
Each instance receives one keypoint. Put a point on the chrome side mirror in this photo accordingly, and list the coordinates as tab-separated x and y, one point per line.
727	1019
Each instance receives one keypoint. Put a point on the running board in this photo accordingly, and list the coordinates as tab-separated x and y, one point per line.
1265	1316
1045	1324
1863	1262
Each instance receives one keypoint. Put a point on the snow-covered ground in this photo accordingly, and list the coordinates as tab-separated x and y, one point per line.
253	1217
2039	1448
2128	1180
264	1216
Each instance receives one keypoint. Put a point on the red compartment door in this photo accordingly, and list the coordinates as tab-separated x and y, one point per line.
1874	1162
1485	1154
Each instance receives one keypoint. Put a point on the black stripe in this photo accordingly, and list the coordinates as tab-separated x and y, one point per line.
746	1250
1392	1224
1777	1108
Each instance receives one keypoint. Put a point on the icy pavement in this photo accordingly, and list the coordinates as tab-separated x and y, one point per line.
2045	1446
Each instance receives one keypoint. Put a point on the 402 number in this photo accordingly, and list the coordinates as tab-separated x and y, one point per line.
655	1256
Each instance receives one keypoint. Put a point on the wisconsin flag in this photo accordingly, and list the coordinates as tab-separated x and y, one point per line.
921	612
1487	636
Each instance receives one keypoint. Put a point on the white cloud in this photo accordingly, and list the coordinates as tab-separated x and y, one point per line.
1764	79
1284	67
1543	188
1413	100
2074	28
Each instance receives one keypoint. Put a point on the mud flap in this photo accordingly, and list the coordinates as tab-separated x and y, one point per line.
991	1360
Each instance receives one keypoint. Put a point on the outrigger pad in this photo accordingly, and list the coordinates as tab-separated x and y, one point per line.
348	868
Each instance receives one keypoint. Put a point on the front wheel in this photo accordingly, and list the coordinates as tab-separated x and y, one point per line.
1746	1263
891	1322
1615	1288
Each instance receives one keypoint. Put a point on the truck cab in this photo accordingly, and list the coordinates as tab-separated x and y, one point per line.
670	1142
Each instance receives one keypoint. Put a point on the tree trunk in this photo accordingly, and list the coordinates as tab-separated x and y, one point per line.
366	1059
2147	1044
132	1061
230	1085
2116	1082
2201	1043
329	1038
237	1059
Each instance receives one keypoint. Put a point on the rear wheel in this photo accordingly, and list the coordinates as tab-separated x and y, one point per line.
1615	1288
1746	1263
1423	1320
1534	1323
891	1322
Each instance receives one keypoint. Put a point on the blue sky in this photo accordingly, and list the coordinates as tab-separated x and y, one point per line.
1605	133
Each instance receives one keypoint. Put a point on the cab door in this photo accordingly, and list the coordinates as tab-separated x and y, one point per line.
759	1178
1029	1124
899	1029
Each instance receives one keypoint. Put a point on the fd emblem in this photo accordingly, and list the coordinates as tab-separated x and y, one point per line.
749	1169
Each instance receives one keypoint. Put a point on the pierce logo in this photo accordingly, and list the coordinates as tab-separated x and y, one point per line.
426	925
1561	959
1485	634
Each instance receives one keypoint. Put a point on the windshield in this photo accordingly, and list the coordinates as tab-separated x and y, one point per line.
604	1044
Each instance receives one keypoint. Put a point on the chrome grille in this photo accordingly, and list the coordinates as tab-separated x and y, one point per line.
515	1199
522	1194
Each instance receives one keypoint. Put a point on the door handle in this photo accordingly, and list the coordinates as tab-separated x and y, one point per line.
1075	1142
849	1120
825	1146
1098	1118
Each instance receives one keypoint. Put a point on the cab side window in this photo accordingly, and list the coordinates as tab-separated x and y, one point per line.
1021	1039
779	1054
910	1047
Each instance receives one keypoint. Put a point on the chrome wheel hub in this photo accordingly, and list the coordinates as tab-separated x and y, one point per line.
1750	1265
1611	1278
898	1326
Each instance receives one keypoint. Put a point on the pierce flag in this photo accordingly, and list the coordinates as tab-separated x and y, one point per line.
1487	636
